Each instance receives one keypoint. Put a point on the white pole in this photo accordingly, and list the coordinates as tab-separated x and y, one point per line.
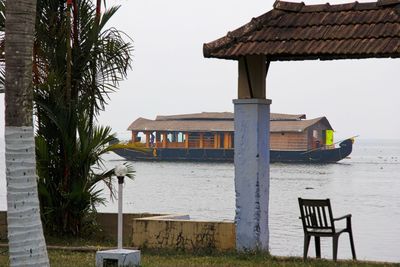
120	182
120	171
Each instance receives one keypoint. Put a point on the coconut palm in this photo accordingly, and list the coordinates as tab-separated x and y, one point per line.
25	233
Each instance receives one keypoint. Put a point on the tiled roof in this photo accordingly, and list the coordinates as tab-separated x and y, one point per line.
224	116
202	125
295	31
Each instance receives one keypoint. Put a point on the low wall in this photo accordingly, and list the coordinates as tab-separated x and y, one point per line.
177	232
157	231
109	224
107	221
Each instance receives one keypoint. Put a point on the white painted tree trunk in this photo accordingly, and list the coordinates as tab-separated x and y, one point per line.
25	233
27	246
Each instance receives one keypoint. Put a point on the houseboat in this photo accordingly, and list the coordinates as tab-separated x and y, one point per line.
209	136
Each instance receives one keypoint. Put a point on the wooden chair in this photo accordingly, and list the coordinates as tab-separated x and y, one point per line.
317	219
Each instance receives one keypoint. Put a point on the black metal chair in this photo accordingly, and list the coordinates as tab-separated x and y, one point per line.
317	219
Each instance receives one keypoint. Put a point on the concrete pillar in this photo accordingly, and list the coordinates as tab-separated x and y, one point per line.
252	173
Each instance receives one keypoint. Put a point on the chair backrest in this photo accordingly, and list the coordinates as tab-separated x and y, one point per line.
316	215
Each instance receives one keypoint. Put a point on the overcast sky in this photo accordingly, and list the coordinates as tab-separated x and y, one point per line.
171	76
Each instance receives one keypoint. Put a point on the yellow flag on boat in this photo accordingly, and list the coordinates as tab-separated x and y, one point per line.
329	137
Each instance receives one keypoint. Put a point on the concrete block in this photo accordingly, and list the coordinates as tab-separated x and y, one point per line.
118	257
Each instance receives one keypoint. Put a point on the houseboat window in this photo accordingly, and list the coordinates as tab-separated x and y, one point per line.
208	140
162	137
140	137
170	137
180	137
221	140
315	134
152	138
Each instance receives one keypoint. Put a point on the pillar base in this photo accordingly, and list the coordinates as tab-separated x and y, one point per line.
118	257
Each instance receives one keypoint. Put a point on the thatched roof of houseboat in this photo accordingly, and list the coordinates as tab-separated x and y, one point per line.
207	122
295	31
142	124
224	116
198	116
297	126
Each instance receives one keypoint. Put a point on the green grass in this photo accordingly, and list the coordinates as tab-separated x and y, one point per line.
154	258
59	258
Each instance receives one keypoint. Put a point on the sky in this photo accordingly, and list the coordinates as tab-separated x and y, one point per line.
170	75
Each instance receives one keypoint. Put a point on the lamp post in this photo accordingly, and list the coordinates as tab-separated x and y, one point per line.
120	171
118	257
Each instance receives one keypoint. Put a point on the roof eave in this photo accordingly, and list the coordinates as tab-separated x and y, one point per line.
234	45
322	57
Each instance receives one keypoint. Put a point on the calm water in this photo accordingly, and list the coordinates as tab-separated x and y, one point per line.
367	185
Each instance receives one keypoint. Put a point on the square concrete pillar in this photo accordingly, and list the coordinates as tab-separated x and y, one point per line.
252	173
118	257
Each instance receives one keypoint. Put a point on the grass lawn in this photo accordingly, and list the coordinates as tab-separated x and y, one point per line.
60	258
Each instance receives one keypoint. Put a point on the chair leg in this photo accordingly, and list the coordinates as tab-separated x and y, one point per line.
335	240
317	246
353	250
306	244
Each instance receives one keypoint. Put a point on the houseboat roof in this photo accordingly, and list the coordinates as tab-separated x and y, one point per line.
221	122
224	116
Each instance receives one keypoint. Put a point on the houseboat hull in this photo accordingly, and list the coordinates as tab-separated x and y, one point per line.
226	155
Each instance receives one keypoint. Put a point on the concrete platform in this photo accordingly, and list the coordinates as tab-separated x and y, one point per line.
118	257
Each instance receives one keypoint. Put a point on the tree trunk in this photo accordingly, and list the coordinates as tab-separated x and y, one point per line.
25	232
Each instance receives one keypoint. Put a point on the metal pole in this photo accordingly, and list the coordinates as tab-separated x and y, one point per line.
120	222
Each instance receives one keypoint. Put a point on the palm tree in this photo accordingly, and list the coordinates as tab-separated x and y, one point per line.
25	233
77	63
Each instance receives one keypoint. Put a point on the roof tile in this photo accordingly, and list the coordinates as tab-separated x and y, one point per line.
298	31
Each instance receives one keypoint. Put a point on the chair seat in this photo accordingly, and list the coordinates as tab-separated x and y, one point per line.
319	231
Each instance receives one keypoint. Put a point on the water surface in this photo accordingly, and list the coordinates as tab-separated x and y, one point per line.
367	185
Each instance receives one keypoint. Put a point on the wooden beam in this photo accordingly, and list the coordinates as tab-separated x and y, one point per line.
156	140
133	137
201	144
147	139
164	140
252	76
216	140
186	140
226	140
